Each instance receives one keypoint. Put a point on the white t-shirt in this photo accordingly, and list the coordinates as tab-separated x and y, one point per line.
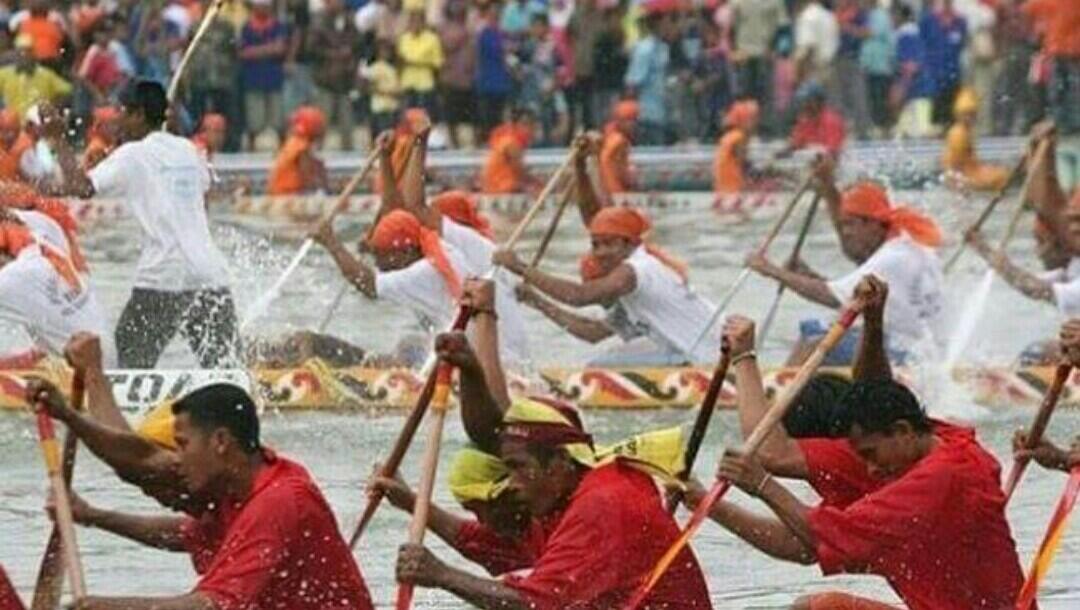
818	33
34	295
477	251
1065	283
667	311
44	228
913	273
163	180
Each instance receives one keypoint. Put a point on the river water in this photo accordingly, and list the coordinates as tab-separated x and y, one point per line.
340	448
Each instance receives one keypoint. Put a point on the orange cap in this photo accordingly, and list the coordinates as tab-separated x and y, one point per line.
869	200
626	110
308	122
632	224
462	209
400	230
742	114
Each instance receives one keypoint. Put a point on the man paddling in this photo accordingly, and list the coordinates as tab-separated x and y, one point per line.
1047	454
892	241
264	537
624	269
906	497
181	283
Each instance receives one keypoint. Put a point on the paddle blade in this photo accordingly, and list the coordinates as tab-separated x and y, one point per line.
692	526
404	596
1051	542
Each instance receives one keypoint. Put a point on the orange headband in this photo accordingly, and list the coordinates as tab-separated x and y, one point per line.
22	197
632	224
400	230
869	200
462	209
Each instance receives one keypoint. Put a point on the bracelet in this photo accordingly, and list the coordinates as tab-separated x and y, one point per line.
743	356
761	486
488	311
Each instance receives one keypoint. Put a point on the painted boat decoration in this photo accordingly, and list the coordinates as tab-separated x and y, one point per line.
316	386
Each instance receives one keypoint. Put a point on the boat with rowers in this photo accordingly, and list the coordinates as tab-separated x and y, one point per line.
315	386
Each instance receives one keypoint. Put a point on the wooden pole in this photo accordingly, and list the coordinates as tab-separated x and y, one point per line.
181	68
1038	427
770	315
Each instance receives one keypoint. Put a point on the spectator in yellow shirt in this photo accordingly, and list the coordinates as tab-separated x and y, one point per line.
420	55
380	80
26	83
962	166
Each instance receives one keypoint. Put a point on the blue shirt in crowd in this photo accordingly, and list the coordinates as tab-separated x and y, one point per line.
265	75
910	49
647	74
944	47
850	44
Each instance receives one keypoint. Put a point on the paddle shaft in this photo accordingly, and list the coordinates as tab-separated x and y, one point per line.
1038	427
550	233
50	578
989	209
429	467
770	316
745	273
515	236
771	419
701	425
181	68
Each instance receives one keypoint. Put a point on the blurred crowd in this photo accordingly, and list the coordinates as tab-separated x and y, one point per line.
891	67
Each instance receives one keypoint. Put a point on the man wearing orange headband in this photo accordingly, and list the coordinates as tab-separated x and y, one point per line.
624	269
297	169
14	144
732	151
42	291
504	170
891	241
617	174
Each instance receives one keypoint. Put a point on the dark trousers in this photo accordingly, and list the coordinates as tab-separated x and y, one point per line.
943	103
581	98
489	114
151	318
877	90
754	77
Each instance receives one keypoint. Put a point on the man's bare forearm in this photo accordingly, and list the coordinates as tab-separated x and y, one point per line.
871	361
133	458
810	288
484	396
160	532
100	402
792	512
483	593
779	454
1026	283
582	327
355	271
766	534
191	601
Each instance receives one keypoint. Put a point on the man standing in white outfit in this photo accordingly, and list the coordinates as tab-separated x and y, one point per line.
181	280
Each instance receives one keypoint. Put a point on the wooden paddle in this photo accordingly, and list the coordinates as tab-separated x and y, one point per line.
260	305
701	424
1038	427
770	316
62	552
1051	542
412	423
429	466
50	578
545	241
772	419
989	209
181	68
744	275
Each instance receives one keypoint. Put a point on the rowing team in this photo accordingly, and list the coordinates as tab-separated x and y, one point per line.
557	520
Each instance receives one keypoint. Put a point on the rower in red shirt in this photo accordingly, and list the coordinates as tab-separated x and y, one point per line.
610	527
908	498
258	529
817	125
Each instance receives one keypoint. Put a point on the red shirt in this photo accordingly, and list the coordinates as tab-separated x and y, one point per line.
938	533
9	600
279	548
826	131
499	554
608	538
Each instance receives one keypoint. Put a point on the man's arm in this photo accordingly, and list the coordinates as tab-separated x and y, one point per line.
619	282
358	273
582	327
780	454
809	287
83	353
445	524
590	200
191	601
1026	283
159	532
417	565
746	472
766	534
871	360
824	168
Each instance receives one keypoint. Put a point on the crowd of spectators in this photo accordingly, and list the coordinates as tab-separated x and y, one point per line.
892	67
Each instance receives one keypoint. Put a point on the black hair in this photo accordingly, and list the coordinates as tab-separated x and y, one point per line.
904	11
147	97
877	404
223	405
819	410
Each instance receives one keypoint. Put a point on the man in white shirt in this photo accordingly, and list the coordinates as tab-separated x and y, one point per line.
893	242
817	39
41	291
181	282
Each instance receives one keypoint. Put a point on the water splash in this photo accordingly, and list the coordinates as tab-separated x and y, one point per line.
970	316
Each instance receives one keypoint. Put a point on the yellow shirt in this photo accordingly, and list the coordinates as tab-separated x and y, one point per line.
959	153
421	55
20	91
385	86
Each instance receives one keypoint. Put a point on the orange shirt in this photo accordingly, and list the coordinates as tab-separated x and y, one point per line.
959	152
286	177
728	163
502	173
1059	22
9	159
47	37
96	150
615	162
